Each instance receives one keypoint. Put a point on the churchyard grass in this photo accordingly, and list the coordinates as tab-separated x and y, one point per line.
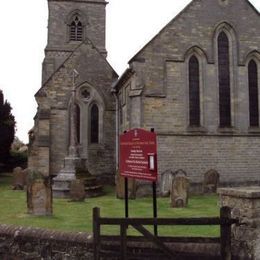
72	216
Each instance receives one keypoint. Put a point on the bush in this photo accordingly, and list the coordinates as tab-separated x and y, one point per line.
7	129
16	159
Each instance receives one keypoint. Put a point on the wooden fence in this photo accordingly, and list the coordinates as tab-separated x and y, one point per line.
224	221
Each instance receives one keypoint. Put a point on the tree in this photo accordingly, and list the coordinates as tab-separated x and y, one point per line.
7	128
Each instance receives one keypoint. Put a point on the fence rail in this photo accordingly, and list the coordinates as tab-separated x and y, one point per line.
224	221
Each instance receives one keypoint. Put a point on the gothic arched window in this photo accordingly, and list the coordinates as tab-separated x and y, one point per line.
76	29
224	81
253	94
78	122
194	91
94	124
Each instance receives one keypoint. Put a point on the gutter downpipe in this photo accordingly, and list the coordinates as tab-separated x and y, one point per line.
117	130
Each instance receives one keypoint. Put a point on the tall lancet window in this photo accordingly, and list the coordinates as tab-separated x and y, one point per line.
224	81
94	124
194	91
76	29
78	123
253	94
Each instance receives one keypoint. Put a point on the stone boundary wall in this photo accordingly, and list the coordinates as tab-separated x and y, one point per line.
245	206
26	243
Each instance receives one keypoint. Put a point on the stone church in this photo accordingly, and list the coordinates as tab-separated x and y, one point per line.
76	81
196	83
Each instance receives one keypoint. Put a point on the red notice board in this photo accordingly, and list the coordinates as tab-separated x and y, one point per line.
138	155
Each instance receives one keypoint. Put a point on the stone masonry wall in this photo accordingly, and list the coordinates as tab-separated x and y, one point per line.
97	75
17	243
20	243
234	157
245	206
196	26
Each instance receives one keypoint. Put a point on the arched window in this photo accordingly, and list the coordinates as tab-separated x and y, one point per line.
194	91
78	123
76	29
94	124
224	81
253	94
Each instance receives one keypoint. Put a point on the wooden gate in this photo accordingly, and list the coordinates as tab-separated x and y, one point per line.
224	221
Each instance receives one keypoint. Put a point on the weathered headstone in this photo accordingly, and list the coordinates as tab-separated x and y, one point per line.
143	189
180	172
19	178
77	190
120	187
180	192
39	194
211	181
166	182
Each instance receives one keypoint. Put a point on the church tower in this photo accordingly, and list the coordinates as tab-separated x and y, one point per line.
75	104
71	22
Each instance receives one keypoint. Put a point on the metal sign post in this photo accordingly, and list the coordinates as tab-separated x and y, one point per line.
138	160
126	197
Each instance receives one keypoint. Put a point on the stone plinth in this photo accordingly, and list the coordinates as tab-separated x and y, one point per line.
245	205
61	183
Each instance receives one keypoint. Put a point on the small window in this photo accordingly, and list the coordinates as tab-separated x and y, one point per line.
224	81
194	91
76	29
253	94
94	124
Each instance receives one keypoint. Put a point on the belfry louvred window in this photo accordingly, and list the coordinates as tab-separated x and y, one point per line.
76	30
224	81
194	91
94	124
253	94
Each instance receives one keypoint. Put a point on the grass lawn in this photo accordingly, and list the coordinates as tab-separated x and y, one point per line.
71	216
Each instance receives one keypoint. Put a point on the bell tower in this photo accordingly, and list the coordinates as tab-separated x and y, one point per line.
70	23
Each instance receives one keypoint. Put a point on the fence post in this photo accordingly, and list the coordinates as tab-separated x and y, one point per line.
96	233
123	245
225	226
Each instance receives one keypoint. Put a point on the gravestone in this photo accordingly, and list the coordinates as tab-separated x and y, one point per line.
120	187
39	194
211	181
180	192
19	178
77	191
143	189
166	182
179	172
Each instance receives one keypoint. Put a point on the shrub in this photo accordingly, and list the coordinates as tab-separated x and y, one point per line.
7	129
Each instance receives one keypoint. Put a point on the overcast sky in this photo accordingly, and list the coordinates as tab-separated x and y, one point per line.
23	27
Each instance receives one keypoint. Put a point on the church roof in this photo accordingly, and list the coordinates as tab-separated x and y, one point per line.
173	20
123	79
87	1
39	92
